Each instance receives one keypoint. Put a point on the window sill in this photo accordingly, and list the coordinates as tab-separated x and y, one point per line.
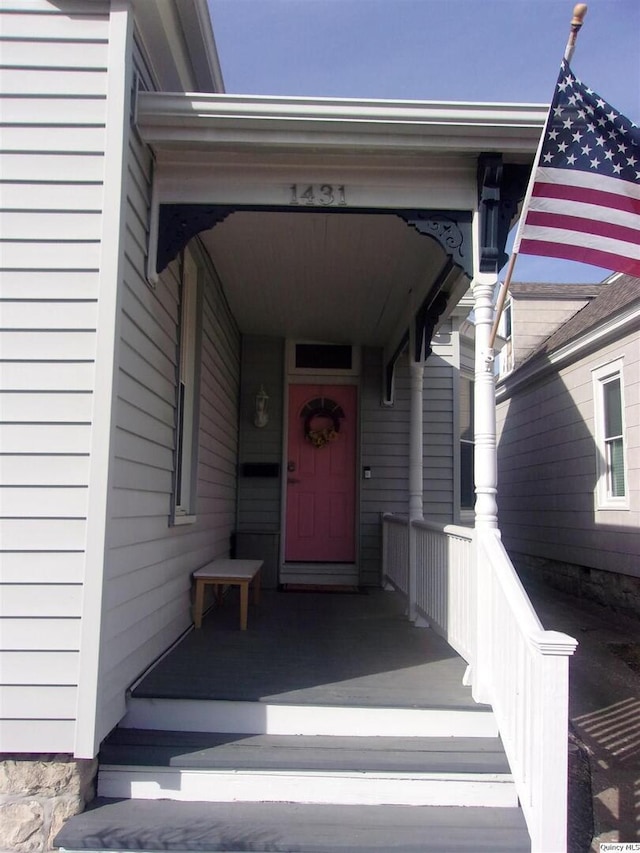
179	520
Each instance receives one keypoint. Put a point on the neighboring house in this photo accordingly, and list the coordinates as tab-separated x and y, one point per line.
194	285
569	437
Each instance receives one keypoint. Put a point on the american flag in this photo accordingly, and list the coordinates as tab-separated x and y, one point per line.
583	202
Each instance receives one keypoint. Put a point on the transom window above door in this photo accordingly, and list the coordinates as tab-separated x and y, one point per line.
323	358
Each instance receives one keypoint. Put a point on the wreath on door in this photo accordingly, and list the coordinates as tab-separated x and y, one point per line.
322	410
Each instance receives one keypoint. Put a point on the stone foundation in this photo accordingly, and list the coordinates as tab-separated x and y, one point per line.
37	794
620	592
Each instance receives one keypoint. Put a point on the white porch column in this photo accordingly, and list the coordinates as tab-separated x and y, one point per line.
485	465
416	371
485	475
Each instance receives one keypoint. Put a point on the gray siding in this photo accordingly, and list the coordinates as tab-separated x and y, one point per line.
259	497
385	447
547	468
384	443
54	77
440	440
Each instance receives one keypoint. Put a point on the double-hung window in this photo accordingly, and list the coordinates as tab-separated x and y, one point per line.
188	396
612	486
467	446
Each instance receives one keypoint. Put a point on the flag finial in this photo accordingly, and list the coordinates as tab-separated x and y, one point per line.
579	11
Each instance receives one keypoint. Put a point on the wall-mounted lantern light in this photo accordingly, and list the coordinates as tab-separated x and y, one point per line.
261	417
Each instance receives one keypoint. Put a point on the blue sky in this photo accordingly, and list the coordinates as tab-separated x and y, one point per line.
437	50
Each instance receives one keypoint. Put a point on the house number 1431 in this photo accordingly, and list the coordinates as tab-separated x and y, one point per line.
320	195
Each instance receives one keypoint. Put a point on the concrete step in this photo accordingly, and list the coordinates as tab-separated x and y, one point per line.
212	715
303	769
151	826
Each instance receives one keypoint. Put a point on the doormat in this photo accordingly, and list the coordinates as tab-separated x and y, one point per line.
318	587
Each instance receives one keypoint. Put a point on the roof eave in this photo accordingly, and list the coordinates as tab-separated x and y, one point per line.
177	119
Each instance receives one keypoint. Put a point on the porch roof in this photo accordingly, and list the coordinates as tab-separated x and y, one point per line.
257	162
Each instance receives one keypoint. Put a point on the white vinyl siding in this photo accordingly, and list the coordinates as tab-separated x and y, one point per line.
149	561
188	388
548	467
53	59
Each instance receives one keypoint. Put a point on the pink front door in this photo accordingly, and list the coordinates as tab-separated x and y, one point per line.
321	474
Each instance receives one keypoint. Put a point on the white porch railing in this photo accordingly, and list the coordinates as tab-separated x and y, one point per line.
468	590
395	548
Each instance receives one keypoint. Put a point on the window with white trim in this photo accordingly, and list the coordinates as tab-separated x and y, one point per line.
467	443
611	451
188	396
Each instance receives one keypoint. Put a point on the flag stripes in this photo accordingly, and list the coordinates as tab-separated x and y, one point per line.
583	203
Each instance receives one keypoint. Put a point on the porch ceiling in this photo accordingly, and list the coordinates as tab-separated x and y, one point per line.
344	278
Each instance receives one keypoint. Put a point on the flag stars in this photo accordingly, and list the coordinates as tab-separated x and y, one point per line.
562	147
548	157
595	163
557	112
586	150
631	161
617	169
571	159
577	136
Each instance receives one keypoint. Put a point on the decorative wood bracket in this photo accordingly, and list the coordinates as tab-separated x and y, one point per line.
501	187
178	223
450	228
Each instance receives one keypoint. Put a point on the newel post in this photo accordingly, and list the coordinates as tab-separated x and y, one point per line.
548	807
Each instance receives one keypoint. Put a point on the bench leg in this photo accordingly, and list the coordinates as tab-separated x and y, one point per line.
199	604
244	604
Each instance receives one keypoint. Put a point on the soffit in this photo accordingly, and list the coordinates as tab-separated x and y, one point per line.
328	277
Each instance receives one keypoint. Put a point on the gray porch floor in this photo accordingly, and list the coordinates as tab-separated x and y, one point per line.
317	649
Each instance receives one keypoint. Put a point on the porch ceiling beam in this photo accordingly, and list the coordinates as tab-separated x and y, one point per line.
177	120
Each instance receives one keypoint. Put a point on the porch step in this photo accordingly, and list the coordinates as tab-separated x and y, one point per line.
227	716
322	770
134	825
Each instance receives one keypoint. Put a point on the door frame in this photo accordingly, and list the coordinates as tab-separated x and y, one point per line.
307	376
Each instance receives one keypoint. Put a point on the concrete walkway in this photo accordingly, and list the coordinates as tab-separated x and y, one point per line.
604	715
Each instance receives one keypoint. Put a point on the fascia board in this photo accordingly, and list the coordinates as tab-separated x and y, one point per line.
179	41
173	119
611	328
199	35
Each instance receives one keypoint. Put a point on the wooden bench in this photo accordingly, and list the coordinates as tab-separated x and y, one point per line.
228	572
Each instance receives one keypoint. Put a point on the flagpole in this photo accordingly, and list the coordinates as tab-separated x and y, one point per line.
579	12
